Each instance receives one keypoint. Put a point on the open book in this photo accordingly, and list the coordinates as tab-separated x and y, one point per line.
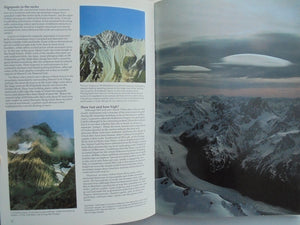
113	111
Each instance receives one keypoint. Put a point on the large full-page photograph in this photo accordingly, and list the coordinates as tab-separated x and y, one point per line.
228	108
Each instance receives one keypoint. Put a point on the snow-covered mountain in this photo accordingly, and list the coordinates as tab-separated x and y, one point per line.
111	57
249	144
191	202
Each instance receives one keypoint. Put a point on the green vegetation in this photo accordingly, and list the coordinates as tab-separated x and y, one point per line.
129	61
31	172
135	68
117	75
63	196
140	77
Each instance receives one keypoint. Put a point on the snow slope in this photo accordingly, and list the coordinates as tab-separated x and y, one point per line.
111	57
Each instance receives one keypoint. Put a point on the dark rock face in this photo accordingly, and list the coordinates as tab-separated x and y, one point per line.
248	181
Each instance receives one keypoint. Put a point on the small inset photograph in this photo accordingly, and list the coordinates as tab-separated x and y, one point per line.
112	44
41	161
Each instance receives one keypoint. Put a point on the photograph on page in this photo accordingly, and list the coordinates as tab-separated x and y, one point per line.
112	44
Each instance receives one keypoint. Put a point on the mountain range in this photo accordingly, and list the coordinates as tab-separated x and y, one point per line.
111	57
251	145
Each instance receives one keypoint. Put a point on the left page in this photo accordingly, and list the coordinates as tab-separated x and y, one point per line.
77	112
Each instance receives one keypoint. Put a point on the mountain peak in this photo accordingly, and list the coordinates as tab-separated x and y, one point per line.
112	38
43	125
256	106
45	128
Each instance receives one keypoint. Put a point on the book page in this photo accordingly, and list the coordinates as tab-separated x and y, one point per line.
77	112
227	115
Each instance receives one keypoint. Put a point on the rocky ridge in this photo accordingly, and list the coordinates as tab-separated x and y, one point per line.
112	57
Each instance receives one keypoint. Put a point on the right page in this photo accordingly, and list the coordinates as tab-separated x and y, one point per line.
227	107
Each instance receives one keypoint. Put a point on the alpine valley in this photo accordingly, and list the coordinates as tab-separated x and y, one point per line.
111	57
41	169
237	155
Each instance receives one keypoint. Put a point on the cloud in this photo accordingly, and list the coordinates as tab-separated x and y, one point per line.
189	20
65	145
268	61
232	87
190	68
255	60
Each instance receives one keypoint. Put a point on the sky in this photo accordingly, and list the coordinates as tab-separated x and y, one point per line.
60	121
228	47
192	19
96	19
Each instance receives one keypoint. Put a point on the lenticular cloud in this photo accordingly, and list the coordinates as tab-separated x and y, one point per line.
255	60
190	68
